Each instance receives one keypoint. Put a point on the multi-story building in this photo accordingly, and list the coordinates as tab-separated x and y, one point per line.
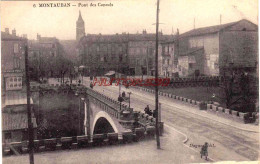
142	52
13	63
43	53
132	54
167	63
14	99
210	50
103	53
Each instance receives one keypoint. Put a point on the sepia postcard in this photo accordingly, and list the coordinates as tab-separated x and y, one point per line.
129	81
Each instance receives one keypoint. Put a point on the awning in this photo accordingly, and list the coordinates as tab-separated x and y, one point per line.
15	98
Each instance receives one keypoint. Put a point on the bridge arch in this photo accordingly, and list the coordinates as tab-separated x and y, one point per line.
101	119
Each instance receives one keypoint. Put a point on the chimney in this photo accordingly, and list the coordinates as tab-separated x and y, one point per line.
25	36
38	37
14	32
194	23
144	31
7	30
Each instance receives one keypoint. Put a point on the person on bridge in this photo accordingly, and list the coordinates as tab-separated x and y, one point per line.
91	85
204	151
123	94
147	110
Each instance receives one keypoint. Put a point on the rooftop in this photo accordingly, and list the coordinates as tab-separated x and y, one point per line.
191	51
7	36
15	98
124	37
210	29
15	121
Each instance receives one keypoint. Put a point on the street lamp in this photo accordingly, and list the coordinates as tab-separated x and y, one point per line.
79	114
82	67
29	115
120	99
129	97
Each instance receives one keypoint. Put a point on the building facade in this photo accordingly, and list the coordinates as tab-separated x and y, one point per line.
43	56
167	59
14	99
12	63
208	50
102	53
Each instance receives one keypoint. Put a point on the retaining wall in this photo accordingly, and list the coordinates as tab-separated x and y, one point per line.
83	141
239	116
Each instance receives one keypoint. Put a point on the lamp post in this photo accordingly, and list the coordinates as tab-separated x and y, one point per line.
82	67
82	99
30	124
120	99
79	114
129	97
156	78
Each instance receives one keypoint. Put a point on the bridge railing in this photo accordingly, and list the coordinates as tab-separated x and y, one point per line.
112	106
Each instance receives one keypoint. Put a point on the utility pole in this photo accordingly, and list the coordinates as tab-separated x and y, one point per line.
29	117
156	78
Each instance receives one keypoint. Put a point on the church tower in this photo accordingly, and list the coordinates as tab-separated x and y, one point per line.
80	27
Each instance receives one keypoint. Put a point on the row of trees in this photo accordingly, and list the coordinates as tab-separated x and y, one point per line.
238	90
46	66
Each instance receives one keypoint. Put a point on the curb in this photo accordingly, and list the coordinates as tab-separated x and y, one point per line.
215	119
186	140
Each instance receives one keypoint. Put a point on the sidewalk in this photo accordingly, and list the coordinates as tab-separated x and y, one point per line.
172	151
192	109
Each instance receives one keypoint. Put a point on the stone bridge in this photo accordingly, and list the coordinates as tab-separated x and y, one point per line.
104	115
105	122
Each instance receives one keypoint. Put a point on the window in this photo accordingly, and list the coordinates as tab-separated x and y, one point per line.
53	45
16	63
191	66
113	48
163	61
8	136
13	83
16	48
121	58
168	61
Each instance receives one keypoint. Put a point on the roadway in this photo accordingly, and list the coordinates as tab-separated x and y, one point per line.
228	143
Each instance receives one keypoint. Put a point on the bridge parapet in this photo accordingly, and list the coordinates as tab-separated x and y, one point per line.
125	113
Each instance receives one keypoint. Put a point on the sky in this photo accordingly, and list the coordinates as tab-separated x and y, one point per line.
124	16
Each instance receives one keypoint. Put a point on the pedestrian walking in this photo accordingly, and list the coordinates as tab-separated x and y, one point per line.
204	151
